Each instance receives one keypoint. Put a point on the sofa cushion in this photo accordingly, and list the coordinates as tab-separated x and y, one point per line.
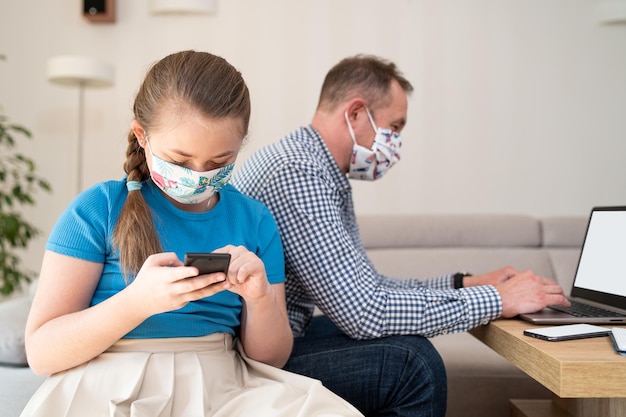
449	231
17	385
13	314
481	382
426	263
564	231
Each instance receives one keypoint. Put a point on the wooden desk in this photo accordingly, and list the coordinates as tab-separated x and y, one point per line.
587	376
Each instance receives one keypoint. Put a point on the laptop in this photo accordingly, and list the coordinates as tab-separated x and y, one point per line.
599	289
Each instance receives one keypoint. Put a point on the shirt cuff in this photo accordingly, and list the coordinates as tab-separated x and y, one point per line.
484	304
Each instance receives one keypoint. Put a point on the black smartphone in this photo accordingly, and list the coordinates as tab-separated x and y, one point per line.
208	262
567	332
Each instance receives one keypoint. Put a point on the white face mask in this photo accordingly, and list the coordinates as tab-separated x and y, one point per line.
371	164
185	185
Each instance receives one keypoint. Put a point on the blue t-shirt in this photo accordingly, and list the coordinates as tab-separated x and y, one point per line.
85	231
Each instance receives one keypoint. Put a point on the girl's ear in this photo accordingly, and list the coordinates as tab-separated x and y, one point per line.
140	134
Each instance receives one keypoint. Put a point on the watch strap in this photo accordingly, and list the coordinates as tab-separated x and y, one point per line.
458	279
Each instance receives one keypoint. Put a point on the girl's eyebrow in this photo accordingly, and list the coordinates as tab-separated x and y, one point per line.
188	155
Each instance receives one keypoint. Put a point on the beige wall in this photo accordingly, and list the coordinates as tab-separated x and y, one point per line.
519	105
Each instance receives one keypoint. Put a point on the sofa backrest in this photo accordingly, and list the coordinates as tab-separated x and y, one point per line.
423	246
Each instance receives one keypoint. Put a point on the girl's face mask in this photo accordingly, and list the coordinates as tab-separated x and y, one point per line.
371	164
185	185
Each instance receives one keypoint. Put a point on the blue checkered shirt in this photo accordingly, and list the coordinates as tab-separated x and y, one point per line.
325	259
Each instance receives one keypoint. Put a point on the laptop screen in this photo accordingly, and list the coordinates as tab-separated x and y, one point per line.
601	273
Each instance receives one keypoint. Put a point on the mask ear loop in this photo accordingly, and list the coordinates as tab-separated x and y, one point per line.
345	114
148	144
369	115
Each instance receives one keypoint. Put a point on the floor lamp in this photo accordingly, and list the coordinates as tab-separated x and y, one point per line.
81	71
184	6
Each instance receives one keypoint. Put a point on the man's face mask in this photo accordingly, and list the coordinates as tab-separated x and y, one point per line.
185	185
371	164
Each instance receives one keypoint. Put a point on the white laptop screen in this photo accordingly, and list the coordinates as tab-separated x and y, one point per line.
602	265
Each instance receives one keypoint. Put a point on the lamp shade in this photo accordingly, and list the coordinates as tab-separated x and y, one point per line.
611	11
72	70
184	6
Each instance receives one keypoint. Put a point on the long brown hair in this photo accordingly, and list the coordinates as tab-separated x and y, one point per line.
183	81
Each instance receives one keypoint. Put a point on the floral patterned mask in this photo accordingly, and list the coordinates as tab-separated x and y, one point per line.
185	185
372	164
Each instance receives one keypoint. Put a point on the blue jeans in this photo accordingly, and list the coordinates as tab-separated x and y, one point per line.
392	376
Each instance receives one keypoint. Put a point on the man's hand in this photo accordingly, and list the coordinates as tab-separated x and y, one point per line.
526	293
521	292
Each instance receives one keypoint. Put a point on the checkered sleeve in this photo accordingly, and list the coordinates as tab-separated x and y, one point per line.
326	264
321	255
444	282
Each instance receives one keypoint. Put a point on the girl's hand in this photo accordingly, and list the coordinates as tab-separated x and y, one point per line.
265	331
164	283
246	274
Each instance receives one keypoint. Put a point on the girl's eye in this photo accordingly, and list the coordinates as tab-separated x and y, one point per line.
215	165
208	167
179	163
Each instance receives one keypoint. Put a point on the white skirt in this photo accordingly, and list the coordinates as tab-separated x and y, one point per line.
186	377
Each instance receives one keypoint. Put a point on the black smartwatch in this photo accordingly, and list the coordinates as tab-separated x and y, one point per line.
458	279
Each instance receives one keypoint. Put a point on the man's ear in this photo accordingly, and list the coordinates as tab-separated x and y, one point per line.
355	107
140	134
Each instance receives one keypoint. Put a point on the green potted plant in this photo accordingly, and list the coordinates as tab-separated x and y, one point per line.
18	185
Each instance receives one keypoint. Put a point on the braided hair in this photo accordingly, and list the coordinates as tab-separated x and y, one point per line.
183	81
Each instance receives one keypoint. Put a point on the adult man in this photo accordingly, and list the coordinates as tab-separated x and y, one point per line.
303	179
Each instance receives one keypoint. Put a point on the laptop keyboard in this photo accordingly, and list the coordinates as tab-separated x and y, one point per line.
578	309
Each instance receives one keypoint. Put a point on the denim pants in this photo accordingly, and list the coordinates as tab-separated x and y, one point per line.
391	376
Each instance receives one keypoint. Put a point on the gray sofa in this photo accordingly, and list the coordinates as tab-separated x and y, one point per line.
480	381
17	381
